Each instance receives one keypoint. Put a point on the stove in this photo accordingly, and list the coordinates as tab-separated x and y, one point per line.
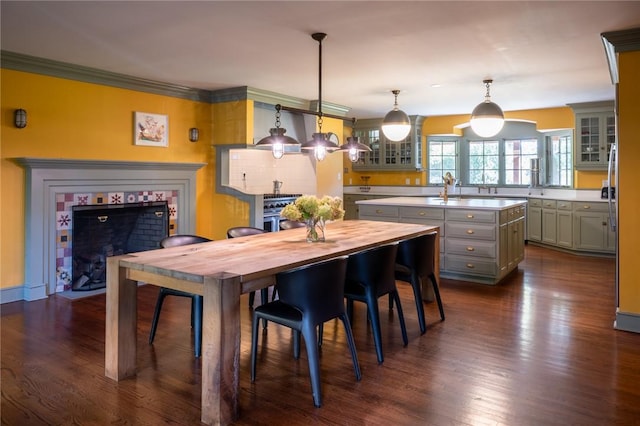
272	206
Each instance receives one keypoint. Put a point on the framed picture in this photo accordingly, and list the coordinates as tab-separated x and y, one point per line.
150	129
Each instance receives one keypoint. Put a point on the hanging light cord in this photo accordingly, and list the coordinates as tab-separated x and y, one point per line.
395	103
319	37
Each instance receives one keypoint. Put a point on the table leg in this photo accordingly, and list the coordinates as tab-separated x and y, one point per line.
121	318
220	349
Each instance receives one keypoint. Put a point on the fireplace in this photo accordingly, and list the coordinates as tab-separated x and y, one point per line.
53	186
101	231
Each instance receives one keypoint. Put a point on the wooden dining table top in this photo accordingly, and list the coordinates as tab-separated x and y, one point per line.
261	255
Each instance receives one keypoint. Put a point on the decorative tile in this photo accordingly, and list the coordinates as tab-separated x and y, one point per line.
116	198
131	197
63	220
99	198
158	196
145	196
81	199
173	211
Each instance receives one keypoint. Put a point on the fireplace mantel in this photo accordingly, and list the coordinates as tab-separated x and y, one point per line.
47	177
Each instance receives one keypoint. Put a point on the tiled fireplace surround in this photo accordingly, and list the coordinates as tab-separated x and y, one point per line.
54	185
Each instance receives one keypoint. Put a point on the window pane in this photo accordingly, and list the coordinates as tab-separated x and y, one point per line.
517	160
484	162
442	159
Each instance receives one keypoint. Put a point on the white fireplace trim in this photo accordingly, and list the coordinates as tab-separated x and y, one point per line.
47	177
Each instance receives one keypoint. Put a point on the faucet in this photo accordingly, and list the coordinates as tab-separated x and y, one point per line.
459	183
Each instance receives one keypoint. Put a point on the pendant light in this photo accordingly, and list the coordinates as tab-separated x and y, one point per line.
396	125
353	145
320	142
487	118
277	140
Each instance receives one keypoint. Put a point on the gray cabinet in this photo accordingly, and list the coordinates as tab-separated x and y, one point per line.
350	206
549	222
591	228
534	220
564	227
595	128
386	154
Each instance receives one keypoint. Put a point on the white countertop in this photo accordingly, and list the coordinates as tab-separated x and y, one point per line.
472	192
464	203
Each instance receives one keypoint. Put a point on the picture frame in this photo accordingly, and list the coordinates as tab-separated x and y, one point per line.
150	129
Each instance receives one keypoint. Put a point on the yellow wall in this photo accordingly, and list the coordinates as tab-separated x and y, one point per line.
70	119
546	119
629	176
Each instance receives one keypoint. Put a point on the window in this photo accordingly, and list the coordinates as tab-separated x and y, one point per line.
443	155
484	162
559	154
517	160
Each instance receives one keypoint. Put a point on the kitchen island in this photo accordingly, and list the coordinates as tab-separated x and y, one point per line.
481	240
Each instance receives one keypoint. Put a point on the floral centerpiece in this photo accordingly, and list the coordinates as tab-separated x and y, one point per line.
314	212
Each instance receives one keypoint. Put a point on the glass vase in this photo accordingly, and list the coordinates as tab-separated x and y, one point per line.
315	230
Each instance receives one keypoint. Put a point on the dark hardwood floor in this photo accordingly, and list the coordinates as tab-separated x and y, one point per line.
537	349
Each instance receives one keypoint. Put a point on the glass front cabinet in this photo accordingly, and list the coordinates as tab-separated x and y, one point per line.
595	128
386	154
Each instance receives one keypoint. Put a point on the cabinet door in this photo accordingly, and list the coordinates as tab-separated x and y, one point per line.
549	232
534	223
565	229
504	249
590	231
595	133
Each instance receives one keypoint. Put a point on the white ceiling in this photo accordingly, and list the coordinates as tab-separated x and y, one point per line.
539	53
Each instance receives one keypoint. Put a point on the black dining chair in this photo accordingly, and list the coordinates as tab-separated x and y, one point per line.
291	224
308	297
243	231
415	265
370	275
196	300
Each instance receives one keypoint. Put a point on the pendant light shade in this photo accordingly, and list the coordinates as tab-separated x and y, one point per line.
353	147
277	140
487	119
396	125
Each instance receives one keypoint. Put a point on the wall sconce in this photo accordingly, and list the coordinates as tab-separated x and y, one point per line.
487	118
194	134
20	118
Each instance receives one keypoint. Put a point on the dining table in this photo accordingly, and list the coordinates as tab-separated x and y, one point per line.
221	271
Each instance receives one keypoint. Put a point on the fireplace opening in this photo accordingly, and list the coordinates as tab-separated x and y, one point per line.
101	231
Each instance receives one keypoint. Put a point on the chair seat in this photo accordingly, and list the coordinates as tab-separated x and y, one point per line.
281	313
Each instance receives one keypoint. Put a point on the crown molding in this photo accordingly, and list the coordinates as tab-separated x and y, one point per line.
619	41
32	64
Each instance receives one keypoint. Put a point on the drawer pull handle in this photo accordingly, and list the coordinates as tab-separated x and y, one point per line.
102	219
470	248
470	265
378	211
469	216
586	207
422	213
470	231
159	214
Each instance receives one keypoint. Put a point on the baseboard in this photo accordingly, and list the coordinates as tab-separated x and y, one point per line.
11	294
627	322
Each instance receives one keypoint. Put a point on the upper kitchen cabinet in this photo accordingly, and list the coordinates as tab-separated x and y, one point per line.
386	154
595	133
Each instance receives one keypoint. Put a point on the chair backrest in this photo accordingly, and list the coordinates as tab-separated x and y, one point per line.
316	289
182	240
243	231
374	268
290	224
417	254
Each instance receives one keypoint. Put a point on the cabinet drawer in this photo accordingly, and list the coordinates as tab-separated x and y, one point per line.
590	206
548	204
470	265
470	230
471	215
564	205
427	222
477	248
422	213
382	211
535	202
